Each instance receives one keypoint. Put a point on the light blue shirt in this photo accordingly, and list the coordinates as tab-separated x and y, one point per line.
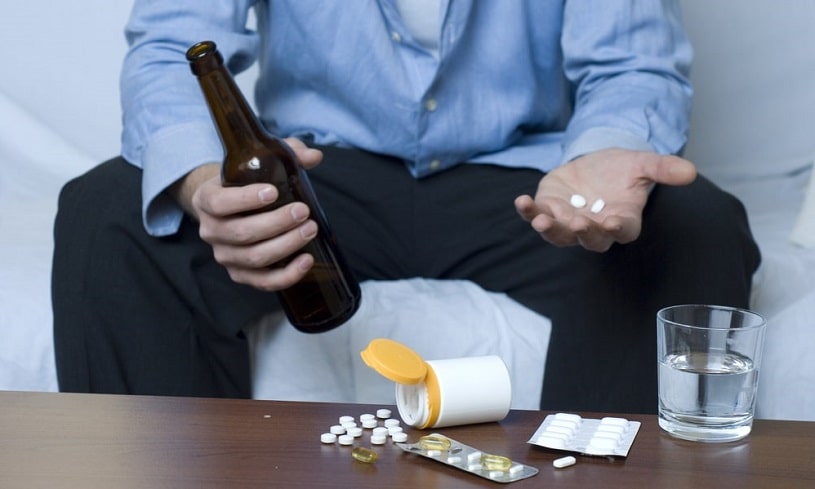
522	83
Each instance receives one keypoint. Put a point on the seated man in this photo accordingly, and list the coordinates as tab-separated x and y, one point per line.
452	135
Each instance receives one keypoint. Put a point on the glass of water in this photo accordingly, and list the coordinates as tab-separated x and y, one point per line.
709	358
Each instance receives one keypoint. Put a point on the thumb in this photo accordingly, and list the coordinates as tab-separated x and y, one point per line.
671	170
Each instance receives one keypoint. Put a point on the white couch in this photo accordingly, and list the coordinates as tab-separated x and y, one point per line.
751	132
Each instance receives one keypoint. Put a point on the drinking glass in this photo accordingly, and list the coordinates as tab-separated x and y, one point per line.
709	358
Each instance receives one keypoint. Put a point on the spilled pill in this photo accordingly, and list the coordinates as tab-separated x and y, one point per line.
364	455
564	462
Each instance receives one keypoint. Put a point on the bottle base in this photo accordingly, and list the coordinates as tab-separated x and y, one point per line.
325	325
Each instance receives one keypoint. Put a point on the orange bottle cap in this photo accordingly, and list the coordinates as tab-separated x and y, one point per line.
394	361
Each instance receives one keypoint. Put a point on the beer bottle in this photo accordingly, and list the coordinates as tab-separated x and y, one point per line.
328	294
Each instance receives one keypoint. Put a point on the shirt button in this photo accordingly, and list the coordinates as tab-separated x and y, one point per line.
430	104
396	37
435	164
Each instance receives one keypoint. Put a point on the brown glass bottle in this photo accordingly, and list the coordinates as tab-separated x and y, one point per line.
328	295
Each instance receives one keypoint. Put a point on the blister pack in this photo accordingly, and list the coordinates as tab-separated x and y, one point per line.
496	468
572	433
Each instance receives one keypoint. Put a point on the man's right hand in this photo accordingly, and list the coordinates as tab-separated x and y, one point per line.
251	245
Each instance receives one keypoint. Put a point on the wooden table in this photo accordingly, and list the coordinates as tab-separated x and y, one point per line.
86	441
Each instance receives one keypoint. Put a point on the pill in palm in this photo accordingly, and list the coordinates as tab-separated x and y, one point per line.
577	201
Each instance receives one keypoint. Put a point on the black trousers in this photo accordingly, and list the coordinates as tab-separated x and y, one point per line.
145	315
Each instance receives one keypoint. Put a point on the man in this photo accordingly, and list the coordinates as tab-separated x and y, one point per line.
438	124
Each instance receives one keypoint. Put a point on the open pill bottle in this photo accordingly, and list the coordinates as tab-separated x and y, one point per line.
439	393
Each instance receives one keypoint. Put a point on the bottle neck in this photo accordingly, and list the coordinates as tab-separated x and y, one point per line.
237	124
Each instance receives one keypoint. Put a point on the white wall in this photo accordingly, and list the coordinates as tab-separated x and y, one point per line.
61	61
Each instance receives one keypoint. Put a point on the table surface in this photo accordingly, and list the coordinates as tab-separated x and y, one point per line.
107	441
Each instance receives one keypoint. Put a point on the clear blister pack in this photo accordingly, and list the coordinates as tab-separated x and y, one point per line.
609	436
442	449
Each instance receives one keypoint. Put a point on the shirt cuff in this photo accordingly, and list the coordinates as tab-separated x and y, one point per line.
169	155
598	138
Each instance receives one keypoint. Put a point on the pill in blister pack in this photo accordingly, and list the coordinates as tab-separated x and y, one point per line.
571	433
496	468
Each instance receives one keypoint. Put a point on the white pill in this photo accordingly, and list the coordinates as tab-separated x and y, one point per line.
349	424
564	462
366	417
551	442
383	413
370	423
399	437
549	433
391	422
569	417
610	429
434	453
337	429
378	439
328	438
515	469
602	444
455	460
380	431
356	431
577	201
394	430
598	206
614	422
560	430
572	425
346	419
474	456
608	435
345	440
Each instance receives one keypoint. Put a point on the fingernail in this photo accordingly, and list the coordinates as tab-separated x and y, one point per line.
304	264
308	230
299	212
266	194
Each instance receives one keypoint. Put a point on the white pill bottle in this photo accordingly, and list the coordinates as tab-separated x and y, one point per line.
439	393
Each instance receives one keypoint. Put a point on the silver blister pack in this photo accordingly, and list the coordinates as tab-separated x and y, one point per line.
496	468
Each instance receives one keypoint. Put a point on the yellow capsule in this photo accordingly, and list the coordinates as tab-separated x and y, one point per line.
435	442
495	462
364	455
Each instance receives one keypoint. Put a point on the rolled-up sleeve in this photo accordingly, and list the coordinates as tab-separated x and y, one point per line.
630	74
167	129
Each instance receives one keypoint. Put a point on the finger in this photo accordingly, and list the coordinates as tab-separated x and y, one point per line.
553	231
671	170
265	253
525	207
623	229
274	278
217	200
246	229
309	157
590	234
597	242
